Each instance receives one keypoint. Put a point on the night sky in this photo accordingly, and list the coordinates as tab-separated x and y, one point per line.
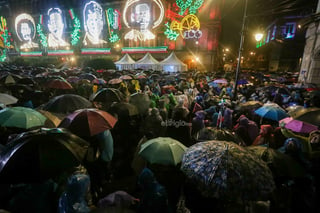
260	14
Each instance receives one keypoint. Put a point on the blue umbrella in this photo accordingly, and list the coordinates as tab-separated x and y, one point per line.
242	81
272	112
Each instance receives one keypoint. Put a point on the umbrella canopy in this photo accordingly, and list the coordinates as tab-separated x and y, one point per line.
293	109
9	79
162	150
88	122
280	164
141	101
211	133
220	81
227	171
249	105
300	126
109	95
123	109
115	81
39	155
52	120
309	115
59	84
99	81
21	117
66	103
272	112
88	76
125	77
7	99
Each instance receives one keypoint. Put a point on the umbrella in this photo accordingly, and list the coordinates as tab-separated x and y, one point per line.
279	163
52	120
88	122
99	81
21	117
249	105
285	121
125	77
309	115
26	81
293	109
109	95
7	99
73	79
211	133
227	171
66	103
9	79
272	112
115	81
300	126
242	81
141	101
88	76
220	81
124	109
162	150
38	155
59	84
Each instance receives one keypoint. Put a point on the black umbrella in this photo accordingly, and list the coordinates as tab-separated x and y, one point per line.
107	95
39	155
67	103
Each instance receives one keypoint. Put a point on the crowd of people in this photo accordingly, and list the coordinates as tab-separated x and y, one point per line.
182	106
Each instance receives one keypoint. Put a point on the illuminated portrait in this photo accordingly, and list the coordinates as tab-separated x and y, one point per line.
93	23
56	27
141	19
25	30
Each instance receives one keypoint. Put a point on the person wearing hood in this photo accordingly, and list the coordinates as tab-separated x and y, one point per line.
198	123
153	196
265	137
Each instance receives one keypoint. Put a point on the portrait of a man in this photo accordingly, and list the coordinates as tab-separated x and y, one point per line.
93	24
56	27
25	30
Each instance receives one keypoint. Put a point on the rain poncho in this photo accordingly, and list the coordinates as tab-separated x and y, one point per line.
73	199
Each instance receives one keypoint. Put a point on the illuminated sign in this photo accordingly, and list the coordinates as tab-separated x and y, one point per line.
75	35
93	24
189	26
93	51
141	20
26	30
56	27
5	38
114	24
161	49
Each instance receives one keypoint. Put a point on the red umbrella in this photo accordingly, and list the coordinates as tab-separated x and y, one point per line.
59	84
88	122
125	77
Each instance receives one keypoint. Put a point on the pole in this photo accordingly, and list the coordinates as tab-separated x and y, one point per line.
240	50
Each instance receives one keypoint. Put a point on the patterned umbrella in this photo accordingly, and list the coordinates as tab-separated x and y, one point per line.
227	171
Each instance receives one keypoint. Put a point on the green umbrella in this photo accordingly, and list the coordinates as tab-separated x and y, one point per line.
162	150
21	117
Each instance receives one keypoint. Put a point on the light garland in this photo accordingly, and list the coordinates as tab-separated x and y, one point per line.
171	34
43	37
75	35
113	19
197	4
4	34
183	5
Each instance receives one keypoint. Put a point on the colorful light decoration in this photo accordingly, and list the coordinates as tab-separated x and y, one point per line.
114	23
75	35
142	17
59	52
25	30
28	54
5	37
43	37
160	49
93	51
189	26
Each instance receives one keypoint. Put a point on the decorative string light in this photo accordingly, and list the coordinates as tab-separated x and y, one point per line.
171	34
183	5
113	20
43	38
196	5
5	36
75	35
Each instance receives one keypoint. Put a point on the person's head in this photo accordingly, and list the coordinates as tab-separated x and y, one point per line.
93	19
292	146
314	138
25	27
55	22
142	15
